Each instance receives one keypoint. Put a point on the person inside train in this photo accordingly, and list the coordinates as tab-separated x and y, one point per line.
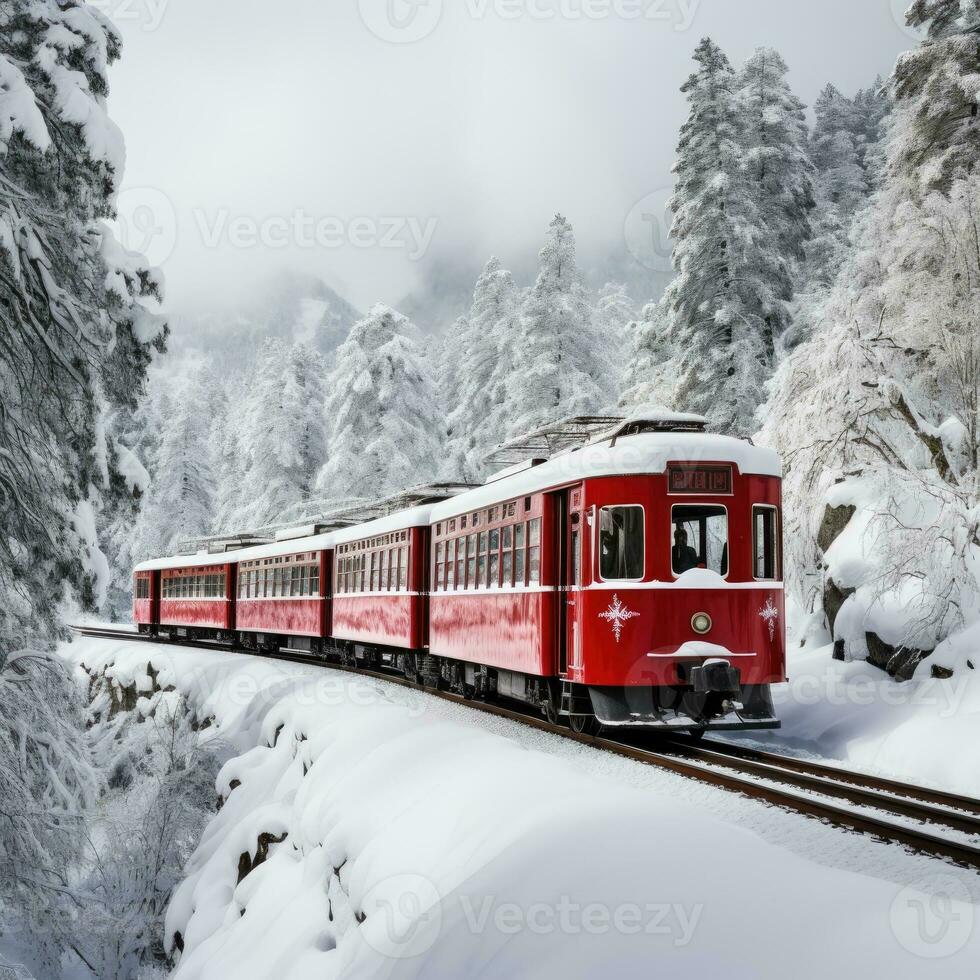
683	556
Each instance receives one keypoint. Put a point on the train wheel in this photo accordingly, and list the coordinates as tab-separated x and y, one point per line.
549	707
584	724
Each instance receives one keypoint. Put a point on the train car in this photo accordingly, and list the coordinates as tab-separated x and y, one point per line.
283	591
380	584
635	581
186	593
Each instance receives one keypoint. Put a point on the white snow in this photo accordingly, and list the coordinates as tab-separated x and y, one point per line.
646	453
426	839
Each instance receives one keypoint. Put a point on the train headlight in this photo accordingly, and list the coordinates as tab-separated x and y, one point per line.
701	623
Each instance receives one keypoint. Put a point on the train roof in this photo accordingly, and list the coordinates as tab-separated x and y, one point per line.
644	453
293	546
398	521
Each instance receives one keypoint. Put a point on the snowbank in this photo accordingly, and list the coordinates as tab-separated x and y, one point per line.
369	831
920	731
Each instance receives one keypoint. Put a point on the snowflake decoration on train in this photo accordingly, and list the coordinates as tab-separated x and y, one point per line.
616	615
770	614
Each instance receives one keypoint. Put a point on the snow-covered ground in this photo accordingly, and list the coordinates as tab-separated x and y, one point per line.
420	838
852	714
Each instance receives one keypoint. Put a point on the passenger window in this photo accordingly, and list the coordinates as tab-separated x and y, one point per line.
700	539
534	552
765	542
621	543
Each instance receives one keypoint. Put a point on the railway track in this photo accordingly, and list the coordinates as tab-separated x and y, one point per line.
924	820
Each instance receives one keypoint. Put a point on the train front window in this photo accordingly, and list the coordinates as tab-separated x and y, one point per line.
765	542
700	539
621	543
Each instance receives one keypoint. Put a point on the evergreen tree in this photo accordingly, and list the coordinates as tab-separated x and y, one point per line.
563	366
381	413
730	280
774	139
77	334
614	310
936	88
482	359
650	377
179	503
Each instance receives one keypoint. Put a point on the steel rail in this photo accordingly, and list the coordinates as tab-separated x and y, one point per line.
710	770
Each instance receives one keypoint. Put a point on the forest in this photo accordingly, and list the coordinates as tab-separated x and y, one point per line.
824	302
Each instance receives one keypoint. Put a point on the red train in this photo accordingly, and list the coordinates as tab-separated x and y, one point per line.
634	581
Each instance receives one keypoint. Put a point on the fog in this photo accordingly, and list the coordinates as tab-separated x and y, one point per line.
372	142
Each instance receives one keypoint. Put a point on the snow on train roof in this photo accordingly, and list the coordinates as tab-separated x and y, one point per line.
203	559
413	517
648	452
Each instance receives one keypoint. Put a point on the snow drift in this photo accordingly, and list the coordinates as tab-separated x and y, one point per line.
367	831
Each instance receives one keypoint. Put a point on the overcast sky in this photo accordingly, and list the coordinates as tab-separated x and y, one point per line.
362	139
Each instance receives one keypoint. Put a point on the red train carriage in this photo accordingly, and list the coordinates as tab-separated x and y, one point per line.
146	598
284	591
636	580
380	583
174	595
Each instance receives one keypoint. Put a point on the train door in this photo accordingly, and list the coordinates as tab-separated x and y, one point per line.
571	538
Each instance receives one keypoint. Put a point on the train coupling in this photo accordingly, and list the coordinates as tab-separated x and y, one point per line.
716	677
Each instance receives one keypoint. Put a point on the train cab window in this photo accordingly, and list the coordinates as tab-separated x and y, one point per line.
314	580
507	560
461	563
621	543
765	542
403	568
700	538
519	538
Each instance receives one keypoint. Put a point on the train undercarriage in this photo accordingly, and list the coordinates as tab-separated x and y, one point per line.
714	700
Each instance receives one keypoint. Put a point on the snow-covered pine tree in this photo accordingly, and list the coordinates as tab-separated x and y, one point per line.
563	365
481	351
179	504
75	341
308	367
731	279
774	141
872	107
650	377
382	415
936	87
77	335
613	311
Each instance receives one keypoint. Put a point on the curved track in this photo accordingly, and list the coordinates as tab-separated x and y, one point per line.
928	821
